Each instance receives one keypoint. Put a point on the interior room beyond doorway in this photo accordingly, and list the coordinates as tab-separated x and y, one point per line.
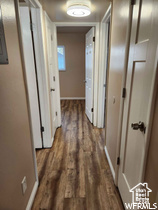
71	43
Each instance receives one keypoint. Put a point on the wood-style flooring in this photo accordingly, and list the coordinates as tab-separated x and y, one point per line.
74	174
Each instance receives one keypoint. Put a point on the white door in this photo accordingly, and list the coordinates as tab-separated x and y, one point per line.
139	88
89	74
30	75
52	76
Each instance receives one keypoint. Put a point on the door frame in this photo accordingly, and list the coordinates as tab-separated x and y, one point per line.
152	99
42	74
96	65
103	66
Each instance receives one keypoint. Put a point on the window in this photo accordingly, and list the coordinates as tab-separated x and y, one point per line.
61	58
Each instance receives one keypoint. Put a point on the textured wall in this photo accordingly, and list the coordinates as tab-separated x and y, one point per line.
16	159
151	174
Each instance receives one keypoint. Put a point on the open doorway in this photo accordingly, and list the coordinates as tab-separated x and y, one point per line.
76	50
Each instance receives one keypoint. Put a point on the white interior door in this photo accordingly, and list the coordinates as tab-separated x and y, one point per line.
30	75
52	77
139	87
89	74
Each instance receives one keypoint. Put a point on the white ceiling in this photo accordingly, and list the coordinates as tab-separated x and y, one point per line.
56	10
82	29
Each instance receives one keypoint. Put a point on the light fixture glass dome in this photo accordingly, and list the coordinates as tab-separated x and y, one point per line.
78	11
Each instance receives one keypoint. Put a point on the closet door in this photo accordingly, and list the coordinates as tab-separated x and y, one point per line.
30	75
139	90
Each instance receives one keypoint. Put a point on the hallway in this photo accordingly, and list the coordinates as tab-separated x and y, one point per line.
74	173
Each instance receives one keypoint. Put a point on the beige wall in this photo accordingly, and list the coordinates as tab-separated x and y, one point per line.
116	68
16	159
151	175
71	80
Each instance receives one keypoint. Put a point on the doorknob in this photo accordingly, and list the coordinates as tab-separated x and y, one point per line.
52	89
139	126
84	81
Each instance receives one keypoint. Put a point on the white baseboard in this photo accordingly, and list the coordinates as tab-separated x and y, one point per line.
32	196
110	163
72	98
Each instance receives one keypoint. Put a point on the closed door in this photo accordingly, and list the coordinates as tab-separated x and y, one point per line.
139	88
52	84
89	74
30	75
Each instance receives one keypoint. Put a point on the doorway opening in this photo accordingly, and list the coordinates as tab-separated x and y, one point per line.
76	55
75	45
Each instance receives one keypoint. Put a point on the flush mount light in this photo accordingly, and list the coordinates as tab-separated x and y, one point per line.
78	10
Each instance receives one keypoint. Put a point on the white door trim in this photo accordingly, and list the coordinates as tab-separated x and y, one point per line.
102	67
96	67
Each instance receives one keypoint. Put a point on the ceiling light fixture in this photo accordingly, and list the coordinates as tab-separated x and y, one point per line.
78	10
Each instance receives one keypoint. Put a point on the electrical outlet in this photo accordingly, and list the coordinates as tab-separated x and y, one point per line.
24	185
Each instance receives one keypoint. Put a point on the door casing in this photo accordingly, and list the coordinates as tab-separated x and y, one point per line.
96	57
103	66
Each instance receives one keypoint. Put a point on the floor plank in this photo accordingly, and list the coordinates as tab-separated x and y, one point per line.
74	174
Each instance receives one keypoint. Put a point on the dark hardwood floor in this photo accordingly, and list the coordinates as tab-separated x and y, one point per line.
74	174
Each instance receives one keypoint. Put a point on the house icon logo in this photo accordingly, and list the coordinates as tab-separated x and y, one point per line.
140	197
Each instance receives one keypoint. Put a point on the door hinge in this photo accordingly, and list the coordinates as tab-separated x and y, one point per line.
124	93
31	26
51	37
118	161
56	113
91	109
54	78
42	129
93	38
133	2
